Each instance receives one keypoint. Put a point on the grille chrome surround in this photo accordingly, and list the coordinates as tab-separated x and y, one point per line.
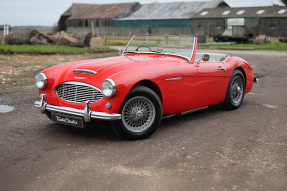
78	92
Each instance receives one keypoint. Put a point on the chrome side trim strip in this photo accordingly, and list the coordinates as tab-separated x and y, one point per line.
169	79
85	71
86	113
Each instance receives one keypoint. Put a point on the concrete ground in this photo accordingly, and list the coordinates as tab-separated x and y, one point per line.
212	149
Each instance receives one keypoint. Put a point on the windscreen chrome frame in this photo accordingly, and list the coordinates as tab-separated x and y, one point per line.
188	59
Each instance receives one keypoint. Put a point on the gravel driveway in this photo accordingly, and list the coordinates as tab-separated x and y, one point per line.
211	149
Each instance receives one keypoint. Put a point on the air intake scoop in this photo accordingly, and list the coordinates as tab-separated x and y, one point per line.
85	71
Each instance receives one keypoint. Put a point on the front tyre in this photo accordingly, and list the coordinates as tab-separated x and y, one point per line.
235	92
141	114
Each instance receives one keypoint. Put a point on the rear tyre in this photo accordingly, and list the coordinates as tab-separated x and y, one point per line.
235	92
141	114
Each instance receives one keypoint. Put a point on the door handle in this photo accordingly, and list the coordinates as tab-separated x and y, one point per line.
220	68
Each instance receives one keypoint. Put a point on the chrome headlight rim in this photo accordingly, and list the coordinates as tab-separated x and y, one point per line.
42	78
113	88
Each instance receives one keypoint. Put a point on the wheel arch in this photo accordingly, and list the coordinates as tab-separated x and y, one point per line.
151	85
243	72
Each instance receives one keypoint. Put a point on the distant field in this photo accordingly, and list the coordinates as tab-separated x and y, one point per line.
6	48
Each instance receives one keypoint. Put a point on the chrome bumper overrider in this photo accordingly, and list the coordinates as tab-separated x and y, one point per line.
86	113
255	80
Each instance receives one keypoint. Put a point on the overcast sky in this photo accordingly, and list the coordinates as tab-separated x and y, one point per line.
48	12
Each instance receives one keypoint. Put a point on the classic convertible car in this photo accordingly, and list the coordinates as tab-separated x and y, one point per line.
154	76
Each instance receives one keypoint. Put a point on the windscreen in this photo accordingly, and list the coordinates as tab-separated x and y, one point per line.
161	44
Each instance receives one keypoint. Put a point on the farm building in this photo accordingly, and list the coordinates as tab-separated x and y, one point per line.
75	7
164	18
250	21
204	18
101	16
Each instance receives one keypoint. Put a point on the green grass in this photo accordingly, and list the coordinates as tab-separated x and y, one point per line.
45	32
268	46
6	48
115	43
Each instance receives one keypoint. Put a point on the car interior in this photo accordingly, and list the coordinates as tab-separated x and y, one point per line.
211	57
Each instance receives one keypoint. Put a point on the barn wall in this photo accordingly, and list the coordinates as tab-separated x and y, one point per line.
273	27
251	26
126	31
207	27
155	23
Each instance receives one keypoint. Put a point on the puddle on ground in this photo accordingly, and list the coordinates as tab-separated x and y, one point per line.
5	108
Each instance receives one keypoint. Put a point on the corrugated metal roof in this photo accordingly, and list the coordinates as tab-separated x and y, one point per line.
271	11
103	11
75	7
178	10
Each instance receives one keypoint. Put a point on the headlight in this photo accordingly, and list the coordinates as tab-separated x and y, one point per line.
41	80
109	88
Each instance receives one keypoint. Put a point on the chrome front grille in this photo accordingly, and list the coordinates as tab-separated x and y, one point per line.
78	92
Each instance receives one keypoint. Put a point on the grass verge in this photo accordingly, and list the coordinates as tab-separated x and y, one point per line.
48	49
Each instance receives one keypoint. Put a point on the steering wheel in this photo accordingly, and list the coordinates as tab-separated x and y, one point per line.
143	46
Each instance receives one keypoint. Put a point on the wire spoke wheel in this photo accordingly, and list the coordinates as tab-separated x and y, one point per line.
141	114
138	114
236	90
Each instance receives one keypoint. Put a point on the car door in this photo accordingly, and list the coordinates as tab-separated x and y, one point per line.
178	87
209	84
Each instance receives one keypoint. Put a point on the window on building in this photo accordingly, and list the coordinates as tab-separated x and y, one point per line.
87	23
97	23
260	12
235	22
240	12
199	27
272	26
81	23
204	13
225	12
106	22
218	27
282	11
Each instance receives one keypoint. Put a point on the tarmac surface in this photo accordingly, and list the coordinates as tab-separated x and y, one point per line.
211	149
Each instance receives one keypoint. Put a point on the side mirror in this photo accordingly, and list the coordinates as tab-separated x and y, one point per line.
205	57
119	51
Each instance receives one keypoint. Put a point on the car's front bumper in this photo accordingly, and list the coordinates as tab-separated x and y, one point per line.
87	114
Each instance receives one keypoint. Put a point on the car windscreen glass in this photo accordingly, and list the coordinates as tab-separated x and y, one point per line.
161	44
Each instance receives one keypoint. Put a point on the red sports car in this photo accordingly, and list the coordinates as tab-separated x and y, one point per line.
155	75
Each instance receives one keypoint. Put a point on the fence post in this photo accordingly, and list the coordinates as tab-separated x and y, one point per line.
130	35
93	29
6	29
98	32
113	36
147	38
179	38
